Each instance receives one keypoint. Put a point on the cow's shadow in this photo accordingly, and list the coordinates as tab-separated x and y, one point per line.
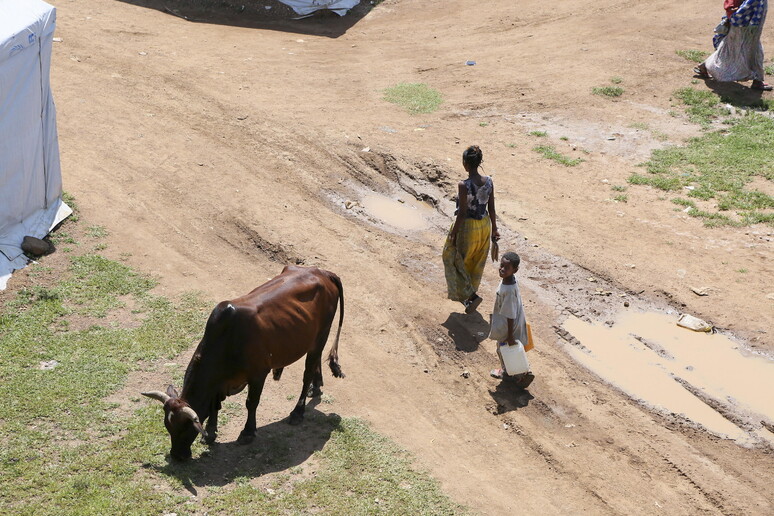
278	446
466	330
510	397
266	15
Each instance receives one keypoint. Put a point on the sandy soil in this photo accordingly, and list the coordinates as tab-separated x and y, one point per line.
215	153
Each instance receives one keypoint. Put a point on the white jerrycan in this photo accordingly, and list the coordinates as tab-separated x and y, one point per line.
514	358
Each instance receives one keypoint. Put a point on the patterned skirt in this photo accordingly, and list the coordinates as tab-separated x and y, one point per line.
464	264
739	56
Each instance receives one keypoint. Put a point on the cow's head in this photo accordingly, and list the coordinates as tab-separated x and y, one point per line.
181	421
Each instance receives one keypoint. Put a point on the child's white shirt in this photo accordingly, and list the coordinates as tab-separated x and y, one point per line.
508	304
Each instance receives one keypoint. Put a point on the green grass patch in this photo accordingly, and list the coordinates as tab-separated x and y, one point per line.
696	56
66	450
97	231
684	202
616	80
702	106
608	91
416	98
539	134
621	198
549	152
618	188
769	70
719	166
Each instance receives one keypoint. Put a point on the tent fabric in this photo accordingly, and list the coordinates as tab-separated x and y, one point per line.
30	173
304	7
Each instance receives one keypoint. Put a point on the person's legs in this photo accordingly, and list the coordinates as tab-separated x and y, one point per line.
457	278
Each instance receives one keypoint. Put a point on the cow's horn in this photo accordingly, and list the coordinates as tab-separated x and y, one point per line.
157	395
191	413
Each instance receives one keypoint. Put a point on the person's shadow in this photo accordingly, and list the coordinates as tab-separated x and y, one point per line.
466	330
510	397
736	94
277	446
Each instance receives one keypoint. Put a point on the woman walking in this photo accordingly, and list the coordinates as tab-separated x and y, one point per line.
467	245
739	53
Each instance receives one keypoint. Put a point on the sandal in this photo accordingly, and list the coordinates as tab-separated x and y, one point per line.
497	373
760	85
472	304
701	71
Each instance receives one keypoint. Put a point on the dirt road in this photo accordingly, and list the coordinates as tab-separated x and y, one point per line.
215	153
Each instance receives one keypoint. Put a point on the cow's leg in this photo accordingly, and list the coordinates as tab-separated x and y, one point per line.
211	430
317	380
254	389
312	362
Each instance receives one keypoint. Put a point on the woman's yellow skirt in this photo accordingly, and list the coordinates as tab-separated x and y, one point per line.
464	264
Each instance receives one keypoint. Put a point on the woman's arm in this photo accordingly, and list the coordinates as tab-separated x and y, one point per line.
462	210
493	215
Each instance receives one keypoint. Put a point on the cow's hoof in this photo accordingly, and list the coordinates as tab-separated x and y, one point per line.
315	393
210	437
246	437
295	418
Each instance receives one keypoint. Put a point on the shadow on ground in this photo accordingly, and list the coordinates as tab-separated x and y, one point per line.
510	397
738	95
277	447
467	331
259	14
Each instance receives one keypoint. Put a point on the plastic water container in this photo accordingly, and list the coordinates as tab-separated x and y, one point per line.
514	358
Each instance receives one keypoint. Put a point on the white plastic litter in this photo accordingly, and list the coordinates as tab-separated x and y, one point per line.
339	7
693	323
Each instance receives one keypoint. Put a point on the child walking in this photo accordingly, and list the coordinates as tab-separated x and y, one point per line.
508	304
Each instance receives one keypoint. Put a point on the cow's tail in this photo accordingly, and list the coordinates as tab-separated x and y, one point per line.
333	356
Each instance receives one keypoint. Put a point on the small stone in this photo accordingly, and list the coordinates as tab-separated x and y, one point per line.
626	304
465	374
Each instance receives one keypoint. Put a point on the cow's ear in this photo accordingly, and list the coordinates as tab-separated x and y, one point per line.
171	392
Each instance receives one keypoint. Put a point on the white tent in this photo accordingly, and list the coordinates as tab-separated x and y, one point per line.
30	175
303	7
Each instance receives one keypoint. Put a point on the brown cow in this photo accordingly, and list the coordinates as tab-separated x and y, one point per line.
271	327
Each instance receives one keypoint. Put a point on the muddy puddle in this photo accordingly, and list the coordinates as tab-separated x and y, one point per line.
706	378
403	213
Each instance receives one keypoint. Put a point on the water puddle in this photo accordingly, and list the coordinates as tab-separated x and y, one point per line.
403	213
700	376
